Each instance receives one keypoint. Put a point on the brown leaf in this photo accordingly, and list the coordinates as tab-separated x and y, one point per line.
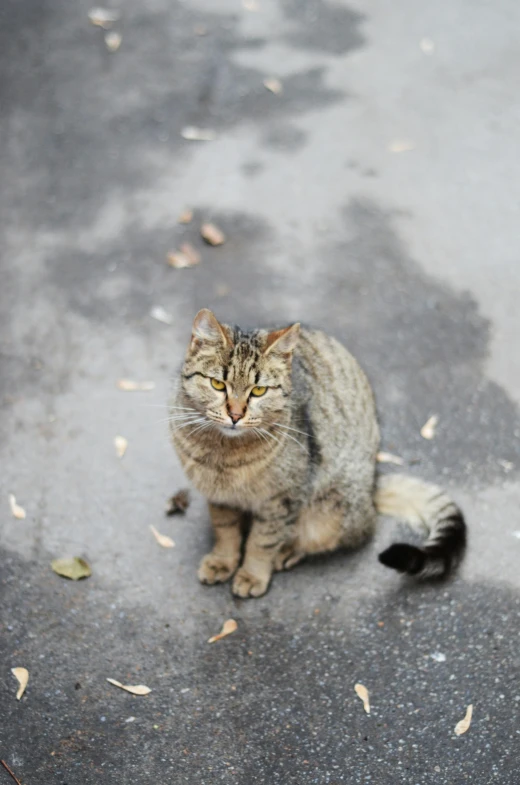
273	85
162	539
462	726
387	457
16	510
113	41
228	627
128	385
138	689
120	443
194	134
428	429
179	503
186	217
362	692
103	17
22	675
212	234
187	256
74	568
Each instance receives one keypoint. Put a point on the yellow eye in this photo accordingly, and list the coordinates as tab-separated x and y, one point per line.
258	391
218	385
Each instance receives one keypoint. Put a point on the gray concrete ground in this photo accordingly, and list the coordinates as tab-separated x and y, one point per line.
411	258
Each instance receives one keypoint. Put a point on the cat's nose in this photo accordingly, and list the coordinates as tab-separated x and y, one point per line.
236	416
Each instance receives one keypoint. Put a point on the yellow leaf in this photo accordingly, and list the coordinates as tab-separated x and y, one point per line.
462	726
120	443
16	510
22	675
137	689
228	627
113	41
428	429
212	234
162	539
73	568
128	385
362	692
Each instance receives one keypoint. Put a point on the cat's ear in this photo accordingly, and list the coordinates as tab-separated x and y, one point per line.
283	341
207	329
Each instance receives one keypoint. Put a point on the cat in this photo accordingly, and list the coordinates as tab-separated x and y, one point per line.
280	427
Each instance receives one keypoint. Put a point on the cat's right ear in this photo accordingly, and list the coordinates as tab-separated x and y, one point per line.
207	329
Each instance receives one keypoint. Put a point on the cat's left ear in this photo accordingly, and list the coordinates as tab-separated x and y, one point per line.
283	341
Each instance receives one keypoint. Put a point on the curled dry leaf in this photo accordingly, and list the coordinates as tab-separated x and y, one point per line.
186	217
129	385
74	568
138	689
428	429
187	256
161	315
113	41
212	234
103	17
120	443
387	457
194	134
22	675
228	627
162	539
273	85
401	146
462	726
362	692
16	510
179	503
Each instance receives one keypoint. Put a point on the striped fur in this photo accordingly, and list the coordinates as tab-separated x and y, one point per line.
300	461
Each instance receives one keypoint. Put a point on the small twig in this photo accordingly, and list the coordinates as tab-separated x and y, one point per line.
6	767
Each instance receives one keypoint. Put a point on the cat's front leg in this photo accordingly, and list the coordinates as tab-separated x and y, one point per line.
219	565
269	533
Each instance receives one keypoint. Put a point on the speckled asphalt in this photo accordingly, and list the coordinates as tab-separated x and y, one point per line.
411	258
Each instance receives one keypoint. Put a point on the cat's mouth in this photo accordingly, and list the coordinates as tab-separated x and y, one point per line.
233	429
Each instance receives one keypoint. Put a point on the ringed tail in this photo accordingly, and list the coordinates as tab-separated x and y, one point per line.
428	509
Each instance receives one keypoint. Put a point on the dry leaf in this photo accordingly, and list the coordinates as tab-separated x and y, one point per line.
120	443
22	674
212	234
228	627
427	46
128	385
186	217
138	689
194	134
387	457
162	539
103	17
73	568
401	146
362	693
273	85
16	510
428	429
161	315
462	726
179	503
187	256
113	41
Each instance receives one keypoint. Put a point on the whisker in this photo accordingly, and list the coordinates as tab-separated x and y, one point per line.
300	445
304	433
205	424
184	425
268	433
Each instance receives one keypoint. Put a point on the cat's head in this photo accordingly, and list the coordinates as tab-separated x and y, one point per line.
238	380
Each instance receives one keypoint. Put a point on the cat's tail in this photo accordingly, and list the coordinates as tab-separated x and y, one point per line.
428	509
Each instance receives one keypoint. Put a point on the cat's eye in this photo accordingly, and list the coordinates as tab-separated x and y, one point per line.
218	385
258	391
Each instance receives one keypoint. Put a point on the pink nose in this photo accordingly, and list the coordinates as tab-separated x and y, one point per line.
236	416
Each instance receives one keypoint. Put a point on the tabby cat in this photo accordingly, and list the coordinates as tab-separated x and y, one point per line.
280	427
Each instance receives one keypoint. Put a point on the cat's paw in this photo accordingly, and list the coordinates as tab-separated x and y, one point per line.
247	584
216	569
286	558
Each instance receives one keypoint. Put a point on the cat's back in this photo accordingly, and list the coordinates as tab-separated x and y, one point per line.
338	395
